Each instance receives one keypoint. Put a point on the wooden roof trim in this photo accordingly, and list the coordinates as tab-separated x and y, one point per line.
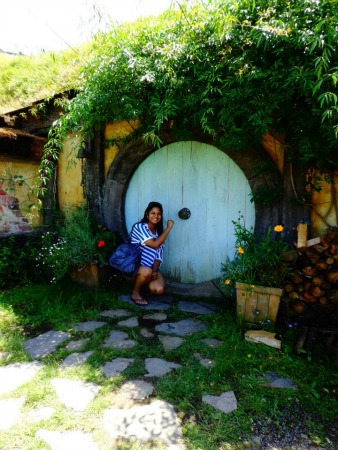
13	133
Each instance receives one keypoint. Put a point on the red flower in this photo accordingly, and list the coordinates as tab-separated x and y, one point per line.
101	244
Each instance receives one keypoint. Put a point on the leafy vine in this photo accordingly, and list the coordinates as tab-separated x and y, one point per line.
235	70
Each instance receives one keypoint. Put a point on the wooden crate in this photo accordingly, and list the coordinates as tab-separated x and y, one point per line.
257	303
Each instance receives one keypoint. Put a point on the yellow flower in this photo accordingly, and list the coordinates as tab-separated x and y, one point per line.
279	228
227	281
240	250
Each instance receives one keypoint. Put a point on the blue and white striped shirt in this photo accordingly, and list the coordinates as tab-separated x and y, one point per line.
139	235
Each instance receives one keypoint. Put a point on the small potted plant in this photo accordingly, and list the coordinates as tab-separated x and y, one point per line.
256	273
77	247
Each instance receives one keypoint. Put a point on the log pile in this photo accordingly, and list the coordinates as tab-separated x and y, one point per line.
312	289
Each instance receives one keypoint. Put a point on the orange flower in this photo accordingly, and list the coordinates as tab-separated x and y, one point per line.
240	250
279	228
227	281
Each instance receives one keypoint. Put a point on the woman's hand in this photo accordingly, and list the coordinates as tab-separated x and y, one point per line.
170	224
154	275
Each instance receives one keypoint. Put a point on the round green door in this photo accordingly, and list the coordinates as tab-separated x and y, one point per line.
203	191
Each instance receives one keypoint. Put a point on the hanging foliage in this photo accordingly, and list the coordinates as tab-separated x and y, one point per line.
235	70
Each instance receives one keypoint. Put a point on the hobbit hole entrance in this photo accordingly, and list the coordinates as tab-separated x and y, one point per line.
213	185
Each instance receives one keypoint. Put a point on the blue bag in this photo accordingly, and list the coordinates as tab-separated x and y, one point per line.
126	258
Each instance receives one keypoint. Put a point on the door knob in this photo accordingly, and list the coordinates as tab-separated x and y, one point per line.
184	213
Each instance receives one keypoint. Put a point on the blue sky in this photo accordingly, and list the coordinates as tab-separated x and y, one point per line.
29	26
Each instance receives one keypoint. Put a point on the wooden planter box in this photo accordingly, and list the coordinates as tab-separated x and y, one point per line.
87	275
257	303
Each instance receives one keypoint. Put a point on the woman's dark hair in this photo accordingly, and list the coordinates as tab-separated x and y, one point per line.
159	226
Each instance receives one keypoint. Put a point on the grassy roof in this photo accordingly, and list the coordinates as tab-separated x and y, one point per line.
26	79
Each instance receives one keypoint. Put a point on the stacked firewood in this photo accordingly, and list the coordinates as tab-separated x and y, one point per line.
313	286
311	293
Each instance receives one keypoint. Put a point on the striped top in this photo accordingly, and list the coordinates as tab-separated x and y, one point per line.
141	233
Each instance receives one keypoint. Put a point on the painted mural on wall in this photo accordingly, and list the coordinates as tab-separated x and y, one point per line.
11	218
19	206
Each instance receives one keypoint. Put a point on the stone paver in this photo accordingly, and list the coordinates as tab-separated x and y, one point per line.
181	328
275	381
144	332
156	302
151	320
158	367
115	367
226	402
196	307
73	346
263	337
14	375
157	317
75	394
116	313
75	360
70	440
136	389
204	361
10	412
157	421
91	325
119	340
214	343
170	342
132	322
45	343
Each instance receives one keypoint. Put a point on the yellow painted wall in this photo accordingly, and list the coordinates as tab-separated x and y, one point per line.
17	214
70	168
69	185
117	130
324	210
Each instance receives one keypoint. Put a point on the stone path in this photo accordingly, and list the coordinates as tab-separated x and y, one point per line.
133	412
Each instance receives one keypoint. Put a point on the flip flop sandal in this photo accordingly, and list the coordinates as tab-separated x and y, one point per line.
137	302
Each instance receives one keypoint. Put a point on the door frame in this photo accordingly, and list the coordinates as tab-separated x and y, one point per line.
133	153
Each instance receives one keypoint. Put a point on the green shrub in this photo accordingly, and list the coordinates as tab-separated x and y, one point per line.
78	241
258	261
17	259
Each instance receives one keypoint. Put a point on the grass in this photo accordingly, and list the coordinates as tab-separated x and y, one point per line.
26	79
28	311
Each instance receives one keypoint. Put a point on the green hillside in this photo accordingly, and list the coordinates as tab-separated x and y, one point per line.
25	79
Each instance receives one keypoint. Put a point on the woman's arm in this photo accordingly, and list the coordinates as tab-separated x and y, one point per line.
157	242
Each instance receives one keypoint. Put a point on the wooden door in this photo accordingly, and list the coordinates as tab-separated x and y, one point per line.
206	181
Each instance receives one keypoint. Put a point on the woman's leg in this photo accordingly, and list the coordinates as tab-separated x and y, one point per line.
157	286
143	277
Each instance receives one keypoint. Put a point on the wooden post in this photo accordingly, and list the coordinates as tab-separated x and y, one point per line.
302	235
